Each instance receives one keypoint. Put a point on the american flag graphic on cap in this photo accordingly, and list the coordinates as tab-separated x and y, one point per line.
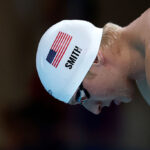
58	48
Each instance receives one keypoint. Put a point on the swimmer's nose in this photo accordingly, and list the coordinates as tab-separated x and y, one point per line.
94	108
97	110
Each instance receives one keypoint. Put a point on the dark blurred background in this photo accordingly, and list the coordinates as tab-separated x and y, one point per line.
32	120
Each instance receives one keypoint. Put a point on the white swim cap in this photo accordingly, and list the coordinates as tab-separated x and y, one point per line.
65	54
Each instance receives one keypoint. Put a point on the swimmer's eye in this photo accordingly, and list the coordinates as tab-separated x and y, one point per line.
82	94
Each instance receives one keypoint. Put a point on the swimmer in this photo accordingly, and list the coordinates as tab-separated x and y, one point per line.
109	64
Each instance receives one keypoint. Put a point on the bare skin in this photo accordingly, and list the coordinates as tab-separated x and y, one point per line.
138	38
123	64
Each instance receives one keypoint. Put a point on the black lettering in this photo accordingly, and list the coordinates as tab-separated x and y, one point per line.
73	56
71	61
75	53
68	65
77	49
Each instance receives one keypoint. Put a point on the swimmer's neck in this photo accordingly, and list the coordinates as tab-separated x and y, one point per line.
133	55
135	36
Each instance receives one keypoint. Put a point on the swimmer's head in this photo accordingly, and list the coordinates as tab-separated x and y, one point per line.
80	64
107	79
65	54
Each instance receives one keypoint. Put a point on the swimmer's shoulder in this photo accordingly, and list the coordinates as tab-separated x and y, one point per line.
146	16
146	13
145	19
144	89
147	63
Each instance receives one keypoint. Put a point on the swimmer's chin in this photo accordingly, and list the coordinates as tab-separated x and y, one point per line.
117	102
122	100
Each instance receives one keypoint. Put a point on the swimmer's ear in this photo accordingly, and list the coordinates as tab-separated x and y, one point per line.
99	58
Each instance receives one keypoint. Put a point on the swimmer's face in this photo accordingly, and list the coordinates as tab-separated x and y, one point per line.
109	84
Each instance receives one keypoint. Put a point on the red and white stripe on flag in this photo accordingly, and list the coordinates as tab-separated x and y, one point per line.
60	46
